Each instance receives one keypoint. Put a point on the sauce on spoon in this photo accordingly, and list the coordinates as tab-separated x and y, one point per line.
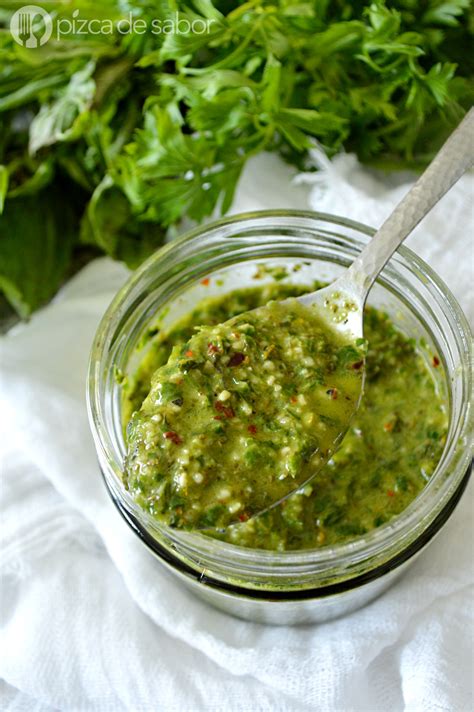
243	414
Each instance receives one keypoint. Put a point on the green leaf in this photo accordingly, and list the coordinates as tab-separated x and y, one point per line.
156	127
41	177
36	241
109	223
271	85
60	120
3	186
180	45
438	79
231	109
313	122
338	37
28	92
206	9
445	13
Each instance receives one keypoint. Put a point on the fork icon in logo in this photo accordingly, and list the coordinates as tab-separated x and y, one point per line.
31	26
27	37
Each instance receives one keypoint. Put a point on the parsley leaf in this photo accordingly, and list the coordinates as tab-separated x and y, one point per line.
155	127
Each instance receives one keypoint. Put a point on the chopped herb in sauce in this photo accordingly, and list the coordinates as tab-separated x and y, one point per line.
267	443
386	458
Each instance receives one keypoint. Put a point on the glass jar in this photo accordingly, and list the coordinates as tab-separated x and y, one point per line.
290	586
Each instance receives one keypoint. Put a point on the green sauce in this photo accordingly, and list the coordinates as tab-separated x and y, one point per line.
242	414
385	459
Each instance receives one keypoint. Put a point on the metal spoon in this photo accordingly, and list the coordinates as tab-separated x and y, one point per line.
343	301
453	160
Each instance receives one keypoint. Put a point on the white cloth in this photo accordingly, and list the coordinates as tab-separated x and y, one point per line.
90	621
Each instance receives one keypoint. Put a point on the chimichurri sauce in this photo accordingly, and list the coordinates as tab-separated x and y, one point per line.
243	414
389	453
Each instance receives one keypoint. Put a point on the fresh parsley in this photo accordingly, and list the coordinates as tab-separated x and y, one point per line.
108	140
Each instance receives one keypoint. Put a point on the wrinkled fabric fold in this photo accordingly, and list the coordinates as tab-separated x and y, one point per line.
90	621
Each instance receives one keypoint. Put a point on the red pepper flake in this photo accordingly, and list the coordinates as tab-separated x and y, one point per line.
189	353
243	517
205	281
174	437
294	399
390	493
213	349
217	417
388	427
333	393
252	429
226	410
436	361
358	365
236	359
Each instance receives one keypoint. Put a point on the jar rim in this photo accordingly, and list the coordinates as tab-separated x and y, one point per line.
361	548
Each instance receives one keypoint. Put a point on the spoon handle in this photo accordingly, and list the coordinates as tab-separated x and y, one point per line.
455	158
